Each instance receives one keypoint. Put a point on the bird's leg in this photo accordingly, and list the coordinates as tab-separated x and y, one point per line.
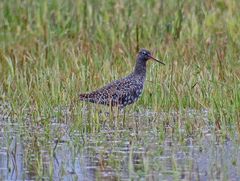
124	117
111	112
122	110
111	108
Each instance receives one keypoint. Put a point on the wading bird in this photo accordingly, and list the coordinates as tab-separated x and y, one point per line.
125	91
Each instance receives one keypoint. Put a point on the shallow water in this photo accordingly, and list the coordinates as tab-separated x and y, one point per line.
144	146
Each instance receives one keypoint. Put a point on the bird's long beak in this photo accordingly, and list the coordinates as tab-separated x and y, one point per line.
156	60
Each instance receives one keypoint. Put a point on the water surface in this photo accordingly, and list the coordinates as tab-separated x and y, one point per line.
142	146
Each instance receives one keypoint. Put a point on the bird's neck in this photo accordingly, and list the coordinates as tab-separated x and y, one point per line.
140	67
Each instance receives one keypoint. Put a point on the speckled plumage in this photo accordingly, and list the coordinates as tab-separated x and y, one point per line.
124	91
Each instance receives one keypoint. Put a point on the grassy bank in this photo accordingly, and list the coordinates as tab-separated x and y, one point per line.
50	51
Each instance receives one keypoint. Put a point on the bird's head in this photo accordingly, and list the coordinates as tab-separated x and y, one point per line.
145	55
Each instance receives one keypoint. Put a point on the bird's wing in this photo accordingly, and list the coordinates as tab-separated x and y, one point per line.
127	91
119	92
106	94
114	92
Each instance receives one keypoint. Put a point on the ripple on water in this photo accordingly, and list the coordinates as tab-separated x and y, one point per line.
149	145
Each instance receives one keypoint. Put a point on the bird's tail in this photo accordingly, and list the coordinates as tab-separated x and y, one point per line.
84	97
89	97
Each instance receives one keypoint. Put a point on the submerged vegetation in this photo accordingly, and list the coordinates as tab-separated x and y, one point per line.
50	51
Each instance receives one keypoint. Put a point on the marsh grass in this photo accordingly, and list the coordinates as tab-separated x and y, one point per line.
50	51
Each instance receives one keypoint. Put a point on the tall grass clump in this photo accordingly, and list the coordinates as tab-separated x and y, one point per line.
52	50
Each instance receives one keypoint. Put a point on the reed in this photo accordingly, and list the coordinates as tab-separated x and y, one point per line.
50	51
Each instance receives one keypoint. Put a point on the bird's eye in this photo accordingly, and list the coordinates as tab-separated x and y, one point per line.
144	53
